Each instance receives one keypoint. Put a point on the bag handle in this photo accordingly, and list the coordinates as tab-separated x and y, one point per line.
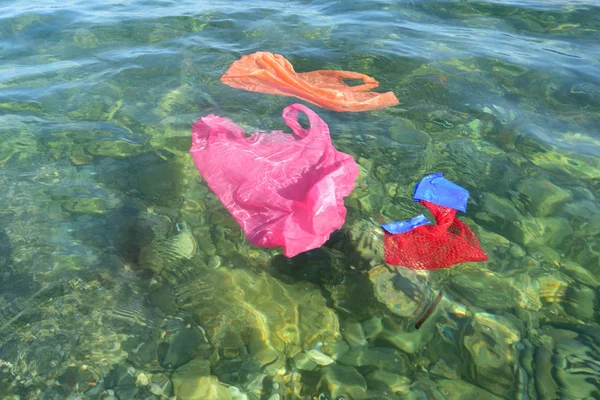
317	125
338	76
444	216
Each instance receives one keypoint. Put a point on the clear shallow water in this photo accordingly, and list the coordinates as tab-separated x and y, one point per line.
121	274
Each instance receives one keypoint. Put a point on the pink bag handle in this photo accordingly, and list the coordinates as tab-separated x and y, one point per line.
317	125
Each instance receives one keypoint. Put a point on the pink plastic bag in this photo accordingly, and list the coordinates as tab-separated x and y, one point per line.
283	189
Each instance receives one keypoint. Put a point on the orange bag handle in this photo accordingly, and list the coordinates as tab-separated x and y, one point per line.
369	82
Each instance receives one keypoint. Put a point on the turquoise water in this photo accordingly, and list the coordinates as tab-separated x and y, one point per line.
123	277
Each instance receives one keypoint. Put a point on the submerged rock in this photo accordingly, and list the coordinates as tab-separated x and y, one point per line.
384	358
166	250
272	319
502	216
499	215
318	357
201	388
384	380
304	363
583	167
353	333
491	343
548	231
342	381
461	390
567	365
542	197
484	288
119	148
404	292
183	347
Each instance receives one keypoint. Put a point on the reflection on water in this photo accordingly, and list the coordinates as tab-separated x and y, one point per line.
122	276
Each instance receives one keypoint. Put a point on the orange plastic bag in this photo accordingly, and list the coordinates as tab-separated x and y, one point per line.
265	72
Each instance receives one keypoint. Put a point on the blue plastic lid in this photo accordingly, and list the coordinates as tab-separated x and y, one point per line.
405	226
439	190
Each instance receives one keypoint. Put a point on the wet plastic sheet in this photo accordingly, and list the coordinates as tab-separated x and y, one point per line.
405	226
448	242
271	73
439	190
283	189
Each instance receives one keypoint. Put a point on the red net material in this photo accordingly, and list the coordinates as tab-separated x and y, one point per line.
434	246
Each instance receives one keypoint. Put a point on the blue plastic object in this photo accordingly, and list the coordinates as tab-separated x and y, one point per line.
439	190
405	226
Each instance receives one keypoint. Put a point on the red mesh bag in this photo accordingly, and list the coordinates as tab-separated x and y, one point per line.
434	246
